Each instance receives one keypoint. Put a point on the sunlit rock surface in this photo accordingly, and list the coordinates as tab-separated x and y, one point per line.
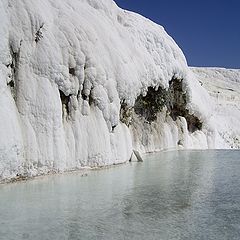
223	86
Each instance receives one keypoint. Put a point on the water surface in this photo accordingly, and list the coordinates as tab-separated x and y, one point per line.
171	195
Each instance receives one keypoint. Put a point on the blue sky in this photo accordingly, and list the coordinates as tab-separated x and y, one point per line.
208	31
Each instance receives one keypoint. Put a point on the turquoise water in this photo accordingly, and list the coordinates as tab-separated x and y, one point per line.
171	195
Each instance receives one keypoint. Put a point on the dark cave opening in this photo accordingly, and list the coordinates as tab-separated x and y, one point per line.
72	71
11	84
65	102
178	105
174	99
148	106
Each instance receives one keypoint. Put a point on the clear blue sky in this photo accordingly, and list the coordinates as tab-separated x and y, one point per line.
208	31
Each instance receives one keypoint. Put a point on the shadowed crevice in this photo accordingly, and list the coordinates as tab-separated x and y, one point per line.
173	99
65	102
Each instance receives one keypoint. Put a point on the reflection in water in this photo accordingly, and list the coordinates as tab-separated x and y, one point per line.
172	195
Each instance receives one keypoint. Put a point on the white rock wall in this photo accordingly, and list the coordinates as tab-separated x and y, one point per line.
65	67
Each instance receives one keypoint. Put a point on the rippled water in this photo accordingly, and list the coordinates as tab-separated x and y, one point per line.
171	195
